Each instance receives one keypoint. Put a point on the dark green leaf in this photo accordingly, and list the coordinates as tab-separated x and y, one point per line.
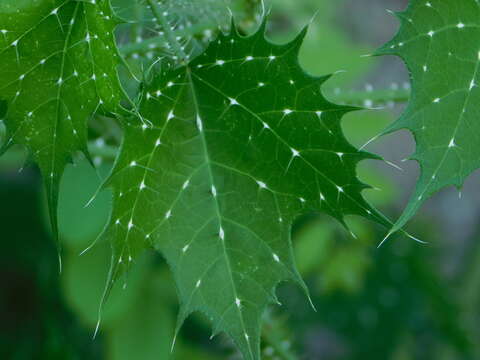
58	68
242	143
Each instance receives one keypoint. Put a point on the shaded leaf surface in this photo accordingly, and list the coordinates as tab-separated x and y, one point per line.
242	142
178	28
440	42
58	68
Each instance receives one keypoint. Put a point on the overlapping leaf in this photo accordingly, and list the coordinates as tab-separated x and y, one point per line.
440	42
242	142
58	68
178	28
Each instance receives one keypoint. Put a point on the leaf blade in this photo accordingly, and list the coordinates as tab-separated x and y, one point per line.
59	69
439	42
242	143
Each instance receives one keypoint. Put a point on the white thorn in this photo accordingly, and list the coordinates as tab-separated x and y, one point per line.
262	184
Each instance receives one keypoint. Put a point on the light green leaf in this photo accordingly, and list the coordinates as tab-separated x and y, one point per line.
242	143
178	28
58	68
440	42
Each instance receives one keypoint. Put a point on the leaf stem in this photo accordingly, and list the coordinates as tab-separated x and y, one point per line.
136	31
159	41
108	152
370	98
160	15
273	335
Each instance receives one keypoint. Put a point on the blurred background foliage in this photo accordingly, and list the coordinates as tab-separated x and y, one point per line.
402	301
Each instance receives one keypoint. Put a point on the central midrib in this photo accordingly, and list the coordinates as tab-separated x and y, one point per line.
217	205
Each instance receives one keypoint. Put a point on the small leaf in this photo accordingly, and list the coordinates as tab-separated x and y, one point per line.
58	68
440	42
242	142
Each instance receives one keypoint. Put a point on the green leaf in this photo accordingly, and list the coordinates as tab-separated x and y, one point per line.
182	28
439	41
242	143
58	68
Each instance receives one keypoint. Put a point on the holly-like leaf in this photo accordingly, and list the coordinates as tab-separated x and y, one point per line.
58	68
440	42
242	142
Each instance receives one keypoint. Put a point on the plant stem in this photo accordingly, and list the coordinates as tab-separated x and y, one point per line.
280	351
136	28
370	98
143	46
169	32
160	41
273	334
104	151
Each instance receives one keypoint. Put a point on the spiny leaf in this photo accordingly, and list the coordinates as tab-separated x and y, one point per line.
440	42
58	68
242	142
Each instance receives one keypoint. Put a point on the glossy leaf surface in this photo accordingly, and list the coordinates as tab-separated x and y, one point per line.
241	143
